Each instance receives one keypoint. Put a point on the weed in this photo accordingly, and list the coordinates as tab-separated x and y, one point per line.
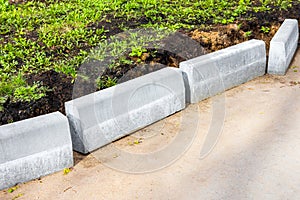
30	93
248	33
2	101
125	61
137	51
265	29
105	82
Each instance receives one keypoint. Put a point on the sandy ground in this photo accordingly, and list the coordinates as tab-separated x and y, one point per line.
257	155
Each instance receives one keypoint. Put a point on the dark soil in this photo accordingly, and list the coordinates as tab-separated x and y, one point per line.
212	38
61	91
151	60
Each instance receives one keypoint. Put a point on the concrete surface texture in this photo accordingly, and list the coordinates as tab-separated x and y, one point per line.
34	147
216	72
102	117
256	157
283	46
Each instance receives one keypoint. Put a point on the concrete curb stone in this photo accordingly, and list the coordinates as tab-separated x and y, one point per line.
33	148
283	47
99	118
216	72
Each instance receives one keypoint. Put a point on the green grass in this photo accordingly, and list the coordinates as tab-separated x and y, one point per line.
36	37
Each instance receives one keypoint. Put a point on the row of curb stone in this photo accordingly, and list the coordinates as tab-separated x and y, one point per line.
43	145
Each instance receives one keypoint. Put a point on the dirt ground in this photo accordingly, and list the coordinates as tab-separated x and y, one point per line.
256	157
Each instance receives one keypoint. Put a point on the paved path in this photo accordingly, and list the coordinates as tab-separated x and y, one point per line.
257	155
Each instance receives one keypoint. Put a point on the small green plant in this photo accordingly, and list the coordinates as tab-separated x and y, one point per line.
239	26
248	33
16	88
30	93
125	61
111	82
2	101
265	29
137	51
106	82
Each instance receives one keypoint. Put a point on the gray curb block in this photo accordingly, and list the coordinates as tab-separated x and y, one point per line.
99	118
33	148
216	72
283	47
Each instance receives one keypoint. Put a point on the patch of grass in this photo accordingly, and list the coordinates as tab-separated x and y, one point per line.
16	88
29	93
282	4
105	82
39	36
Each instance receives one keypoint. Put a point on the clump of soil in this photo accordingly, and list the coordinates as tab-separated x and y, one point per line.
224	36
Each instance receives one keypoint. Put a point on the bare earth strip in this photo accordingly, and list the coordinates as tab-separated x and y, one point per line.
256	157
